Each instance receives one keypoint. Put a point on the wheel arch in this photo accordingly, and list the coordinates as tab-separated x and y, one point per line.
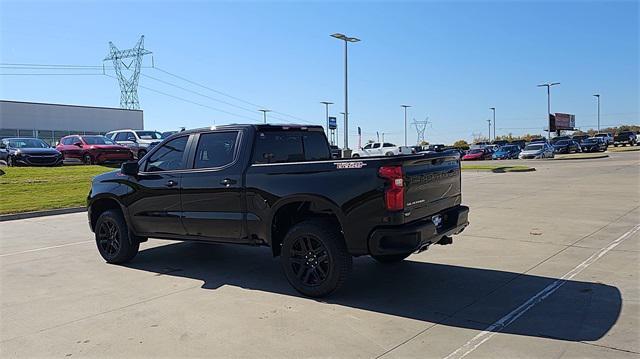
100	204
291	210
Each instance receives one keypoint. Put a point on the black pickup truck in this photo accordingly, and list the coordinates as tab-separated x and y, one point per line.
625	138
278	186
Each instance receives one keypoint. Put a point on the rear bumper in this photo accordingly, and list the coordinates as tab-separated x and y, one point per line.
412	236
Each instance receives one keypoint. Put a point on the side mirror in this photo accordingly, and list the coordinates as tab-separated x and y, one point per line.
130	168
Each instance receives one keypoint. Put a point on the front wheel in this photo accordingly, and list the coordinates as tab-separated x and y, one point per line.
87	159
114	242
10	162
391	258
314	258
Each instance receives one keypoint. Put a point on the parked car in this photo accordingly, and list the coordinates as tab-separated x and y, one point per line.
500	143
625	138
277	186
539	140
579	138
559	138
607	137
566	146
93	149
519	143
381	149
28	152
138	141
593	144
336	152
477	154
506	152
537	151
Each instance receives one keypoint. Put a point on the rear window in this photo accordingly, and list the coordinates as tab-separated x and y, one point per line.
290	146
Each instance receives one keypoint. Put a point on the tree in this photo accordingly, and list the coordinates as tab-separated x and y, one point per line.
461	144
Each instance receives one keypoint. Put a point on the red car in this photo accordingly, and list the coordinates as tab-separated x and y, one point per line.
477	154
93	149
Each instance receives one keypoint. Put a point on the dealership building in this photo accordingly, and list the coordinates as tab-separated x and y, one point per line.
51	122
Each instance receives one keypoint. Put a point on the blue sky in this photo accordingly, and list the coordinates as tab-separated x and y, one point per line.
450	60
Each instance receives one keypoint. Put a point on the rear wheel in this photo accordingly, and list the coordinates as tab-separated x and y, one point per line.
10	162
87	159
314	258
389	154
391	258
115	243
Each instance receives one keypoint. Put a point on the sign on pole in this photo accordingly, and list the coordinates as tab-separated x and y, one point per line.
333	123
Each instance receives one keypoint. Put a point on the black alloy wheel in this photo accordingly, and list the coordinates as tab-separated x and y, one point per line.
87	159
109	238
309	260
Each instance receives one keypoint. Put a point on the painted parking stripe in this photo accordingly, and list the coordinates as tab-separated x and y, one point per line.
503	322
44	248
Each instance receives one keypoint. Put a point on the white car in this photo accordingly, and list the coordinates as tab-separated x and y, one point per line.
537	150
138	141
382	149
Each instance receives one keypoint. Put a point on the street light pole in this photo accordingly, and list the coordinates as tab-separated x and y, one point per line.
494	123
489	121
598	97
264	114
326	104
405	122
548	86
346	39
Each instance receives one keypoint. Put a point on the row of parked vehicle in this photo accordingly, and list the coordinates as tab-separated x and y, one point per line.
542	148
115	146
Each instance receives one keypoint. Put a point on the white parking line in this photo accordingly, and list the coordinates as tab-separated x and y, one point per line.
503	322
44	248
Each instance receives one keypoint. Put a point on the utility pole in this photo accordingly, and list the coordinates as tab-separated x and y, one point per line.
346	40
344	119
421	127
489	121
128	84
598	97
405	122
494	123
548	86
264	114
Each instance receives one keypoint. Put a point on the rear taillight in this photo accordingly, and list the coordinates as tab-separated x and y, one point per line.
394	194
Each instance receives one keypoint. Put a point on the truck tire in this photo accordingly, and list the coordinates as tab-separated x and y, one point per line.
314	258
115	244
389	154
391	258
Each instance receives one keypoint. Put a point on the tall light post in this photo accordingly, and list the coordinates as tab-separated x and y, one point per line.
405	122
494	123
346	40
326	105
344	119
264	114
548	86
598	97
489	121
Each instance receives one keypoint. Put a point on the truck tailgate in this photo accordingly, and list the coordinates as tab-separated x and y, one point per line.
432	184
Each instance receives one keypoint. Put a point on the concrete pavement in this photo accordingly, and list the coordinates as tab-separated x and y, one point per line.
528	231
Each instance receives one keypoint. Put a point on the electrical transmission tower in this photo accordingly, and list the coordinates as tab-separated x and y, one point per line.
421	127
128	84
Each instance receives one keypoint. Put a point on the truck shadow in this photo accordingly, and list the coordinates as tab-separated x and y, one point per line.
450	295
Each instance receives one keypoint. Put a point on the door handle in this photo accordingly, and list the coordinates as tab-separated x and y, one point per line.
171	183
227	182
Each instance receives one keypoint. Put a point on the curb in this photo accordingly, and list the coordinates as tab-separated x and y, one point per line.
51	212
580	158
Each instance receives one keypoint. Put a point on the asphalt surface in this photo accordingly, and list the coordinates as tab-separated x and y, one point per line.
547	268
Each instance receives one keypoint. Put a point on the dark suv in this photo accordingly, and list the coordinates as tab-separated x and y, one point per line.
28	152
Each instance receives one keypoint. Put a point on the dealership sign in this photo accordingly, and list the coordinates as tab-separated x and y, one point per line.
333	124
562	121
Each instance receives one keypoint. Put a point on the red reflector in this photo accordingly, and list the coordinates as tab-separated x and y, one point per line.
394	194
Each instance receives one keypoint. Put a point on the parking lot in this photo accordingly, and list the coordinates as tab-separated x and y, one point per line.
547	268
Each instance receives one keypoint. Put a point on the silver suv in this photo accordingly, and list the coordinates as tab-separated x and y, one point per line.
138	141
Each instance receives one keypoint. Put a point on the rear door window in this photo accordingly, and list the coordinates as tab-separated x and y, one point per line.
215	149
316	147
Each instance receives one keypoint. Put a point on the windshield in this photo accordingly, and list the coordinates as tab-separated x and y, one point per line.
97	140
533	148
590	140
27	143
149	135
507	148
